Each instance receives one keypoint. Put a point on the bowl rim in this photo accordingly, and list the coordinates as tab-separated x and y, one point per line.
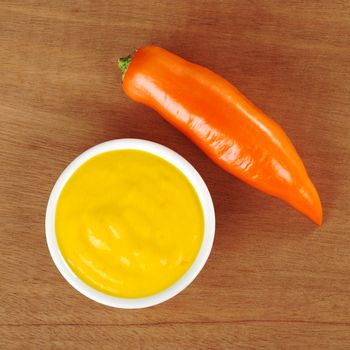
191	174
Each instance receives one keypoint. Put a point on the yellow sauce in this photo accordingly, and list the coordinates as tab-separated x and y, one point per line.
129	223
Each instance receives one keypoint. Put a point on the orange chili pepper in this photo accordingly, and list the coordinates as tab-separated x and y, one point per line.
233	132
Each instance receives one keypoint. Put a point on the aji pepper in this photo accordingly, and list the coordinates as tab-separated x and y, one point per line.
229	128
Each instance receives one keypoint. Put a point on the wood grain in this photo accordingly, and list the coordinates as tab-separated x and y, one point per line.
274	280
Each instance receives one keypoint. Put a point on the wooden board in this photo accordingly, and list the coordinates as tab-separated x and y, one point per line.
274	280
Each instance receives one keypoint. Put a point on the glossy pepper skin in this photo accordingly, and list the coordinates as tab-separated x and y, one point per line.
229	128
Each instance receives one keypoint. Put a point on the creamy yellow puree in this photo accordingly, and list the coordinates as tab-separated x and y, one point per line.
129	223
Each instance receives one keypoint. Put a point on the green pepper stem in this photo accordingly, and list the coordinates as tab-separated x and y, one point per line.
123	64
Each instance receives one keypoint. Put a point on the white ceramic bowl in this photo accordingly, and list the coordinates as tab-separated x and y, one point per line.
204	197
